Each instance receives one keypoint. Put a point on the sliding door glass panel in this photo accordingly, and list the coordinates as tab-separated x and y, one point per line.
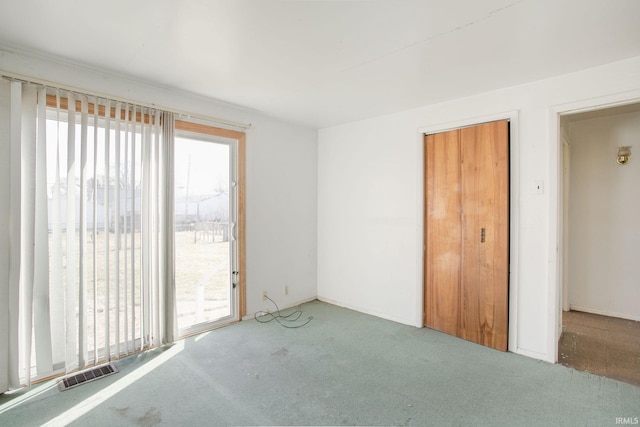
204	244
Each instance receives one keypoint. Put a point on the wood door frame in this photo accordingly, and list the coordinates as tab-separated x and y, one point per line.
514	196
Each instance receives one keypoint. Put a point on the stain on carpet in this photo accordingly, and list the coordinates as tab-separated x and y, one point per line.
282	352
150	418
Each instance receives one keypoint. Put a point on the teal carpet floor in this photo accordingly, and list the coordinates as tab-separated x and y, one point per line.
342	368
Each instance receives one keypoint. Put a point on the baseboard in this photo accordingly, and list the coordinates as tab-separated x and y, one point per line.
369	312
282	308
534	354
592	310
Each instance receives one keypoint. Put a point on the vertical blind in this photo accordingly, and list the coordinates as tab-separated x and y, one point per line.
90	231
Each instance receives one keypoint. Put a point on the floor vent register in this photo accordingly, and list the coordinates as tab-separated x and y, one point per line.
88	375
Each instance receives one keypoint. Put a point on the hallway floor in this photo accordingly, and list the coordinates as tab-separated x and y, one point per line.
601	345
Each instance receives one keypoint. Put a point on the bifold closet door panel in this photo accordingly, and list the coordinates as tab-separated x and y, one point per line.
442	232
485	234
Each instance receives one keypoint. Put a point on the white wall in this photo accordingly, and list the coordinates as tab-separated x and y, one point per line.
281	215
281	187
370	201
604	217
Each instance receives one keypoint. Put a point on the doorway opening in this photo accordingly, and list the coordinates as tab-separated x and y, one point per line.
600	239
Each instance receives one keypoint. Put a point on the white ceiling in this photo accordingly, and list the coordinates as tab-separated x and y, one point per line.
326	62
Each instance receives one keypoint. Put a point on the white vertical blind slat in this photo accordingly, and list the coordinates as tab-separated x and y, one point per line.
107	221
156	298
125	232
133	230
145	241
117	230
82	237
94	233
14	233
56	286
71	289
167	240
5	180
28	214
41	303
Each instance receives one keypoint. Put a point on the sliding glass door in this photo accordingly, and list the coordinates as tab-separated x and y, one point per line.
127	229
205	226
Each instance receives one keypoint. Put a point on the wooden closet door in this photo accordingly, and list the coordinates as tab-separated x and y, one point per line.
485	234
443	232
466	233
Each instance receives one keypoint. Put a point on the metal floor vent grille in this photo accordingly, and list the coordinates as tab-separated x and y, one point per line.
86	376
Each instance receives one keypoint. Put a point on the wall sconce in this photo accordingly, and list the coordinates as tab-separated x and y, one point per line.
623	155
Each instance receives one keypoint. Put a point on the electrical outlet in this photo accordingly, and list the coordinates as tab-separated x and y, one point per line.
264	295
286	290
